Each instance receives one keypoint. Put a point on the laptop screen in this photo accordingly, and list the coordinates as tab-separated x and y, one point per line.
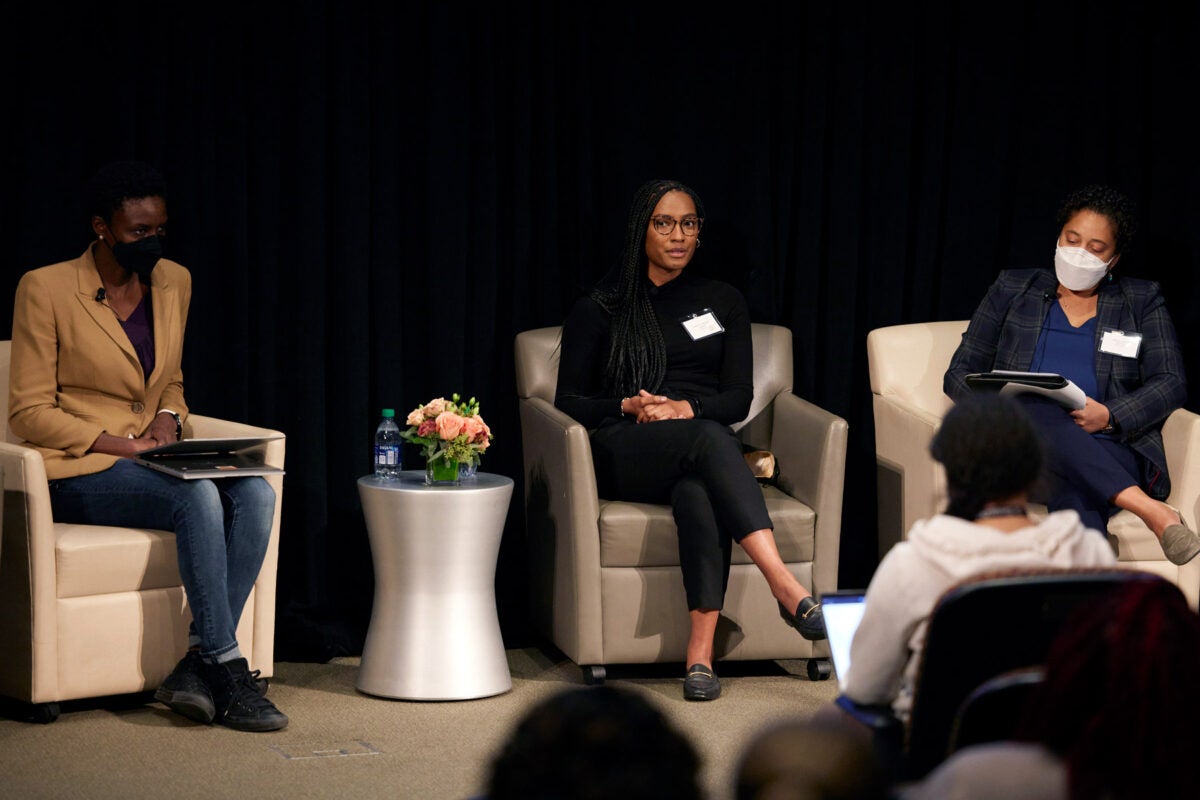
842	611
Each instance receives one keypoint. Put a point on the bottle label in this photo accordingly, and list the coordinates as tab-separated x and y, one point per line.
387	455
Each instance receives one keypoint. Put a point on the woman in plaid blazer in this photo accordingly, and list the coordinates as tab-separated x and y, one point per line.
1113	337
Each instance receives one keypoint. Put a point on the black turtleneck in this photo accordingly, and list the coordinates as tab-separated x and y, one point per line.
717	370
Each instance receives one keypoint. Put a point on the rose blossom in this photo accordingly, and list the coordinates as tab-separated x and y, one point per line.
427	428
473	428
449	425
415	417
434	407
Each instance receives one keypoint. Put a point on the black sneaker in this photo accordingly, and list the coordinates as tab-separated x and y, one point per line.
238	700
185	692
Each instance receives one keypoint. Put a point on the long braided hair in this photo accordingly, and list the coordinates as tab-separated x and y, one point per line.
637	355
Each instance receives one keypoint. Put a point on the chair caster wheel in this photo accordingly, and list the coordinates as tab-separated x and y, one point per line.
593	674
44	713
819	669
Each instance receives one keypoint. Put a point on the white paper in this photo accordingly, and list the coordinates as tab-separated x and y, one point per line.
1070	395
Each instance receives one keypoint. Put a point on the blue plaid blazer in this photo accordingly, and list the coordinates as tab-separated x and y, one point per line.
1139	392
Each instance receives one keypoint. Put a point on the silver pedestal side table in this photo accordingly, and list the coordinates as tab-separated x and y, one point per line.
434	633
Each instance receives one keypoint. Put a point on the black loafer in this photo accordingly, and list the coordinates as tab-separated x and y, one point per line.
701	684
808	619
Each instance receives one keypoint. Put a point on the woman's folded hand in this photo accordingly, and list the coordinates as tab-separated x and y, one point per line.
653	408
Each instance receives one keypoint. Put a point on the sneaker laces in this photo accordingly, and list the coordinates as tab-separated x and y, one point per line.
248	693
260	684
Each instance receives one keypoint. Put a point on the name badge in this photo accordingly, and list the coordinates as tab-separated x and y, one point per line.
1120	343
702	325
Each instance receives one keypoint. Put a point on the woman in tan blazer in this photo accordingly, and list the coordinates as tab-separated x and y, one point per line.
96	378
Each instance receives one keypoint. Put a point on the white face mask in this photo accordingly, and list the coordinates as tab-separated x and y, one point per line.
1077	269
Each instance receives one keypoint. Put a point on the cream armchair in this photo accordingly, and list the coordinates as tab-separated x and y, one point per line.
907	363
605	581
90	611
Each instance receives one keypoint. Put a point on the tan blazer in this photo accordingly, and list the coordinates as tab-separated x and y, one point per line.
74	371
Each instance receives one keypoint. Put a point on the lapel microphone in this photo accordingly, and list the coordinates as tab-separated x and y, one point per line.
100	294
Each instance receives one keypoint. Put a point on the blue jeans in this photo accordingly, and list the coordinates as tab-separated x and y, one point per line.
221	533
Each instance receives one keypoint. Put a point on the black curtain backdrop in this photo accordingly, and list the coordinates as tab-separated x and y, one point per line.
373	200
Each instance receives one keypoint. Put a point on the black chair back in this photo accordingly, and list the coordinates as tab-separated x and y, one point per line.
993	711
984	627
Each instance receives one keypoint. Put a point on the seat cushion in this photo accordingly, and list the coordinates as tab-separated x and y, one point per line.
96	559
643	535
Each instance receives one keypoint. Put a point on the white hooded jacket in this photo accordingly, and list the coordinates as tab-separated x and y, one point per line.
940	552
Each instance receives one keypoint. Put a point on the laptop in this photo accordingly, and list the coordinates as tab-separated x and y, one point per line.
842	610
194	459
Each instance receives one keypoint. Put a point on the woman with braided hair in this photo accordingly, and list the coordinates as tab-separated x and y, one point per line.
657	364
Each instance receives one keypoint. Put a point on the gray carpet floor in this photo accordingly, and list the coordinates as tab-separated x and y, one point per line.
343	743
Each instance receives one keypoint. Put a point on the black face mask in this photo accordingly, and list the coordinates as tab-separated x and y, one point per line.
139	257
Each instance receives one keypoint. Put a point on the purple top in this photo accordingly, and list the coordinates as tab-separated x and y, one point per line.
140	330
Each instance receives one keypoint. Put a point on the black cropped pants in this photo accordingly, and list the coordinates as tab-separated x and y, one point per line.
695	465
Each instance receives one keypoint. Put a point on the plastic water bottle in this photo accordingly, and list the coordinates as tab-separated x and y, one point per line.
387	447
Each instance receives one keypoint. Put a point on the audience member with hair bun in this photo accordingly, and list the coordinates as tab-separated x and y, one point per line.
993	458
657	363
1113	337
1114	717
599	743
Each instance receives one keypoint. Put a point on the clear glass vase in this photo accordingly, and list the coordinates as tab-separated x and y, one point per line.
467	469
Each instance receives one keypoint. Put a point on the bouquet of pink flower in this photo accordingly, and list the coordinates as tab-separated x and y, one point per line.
449	430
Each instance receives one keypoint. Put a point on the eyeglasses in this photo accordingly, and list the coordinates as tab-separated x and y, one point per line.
663	225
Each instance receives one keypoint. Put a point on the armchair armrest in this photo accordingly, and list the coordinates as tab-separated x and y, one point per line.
28	571
809	444
903	431
1181	436
27	495
562	513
